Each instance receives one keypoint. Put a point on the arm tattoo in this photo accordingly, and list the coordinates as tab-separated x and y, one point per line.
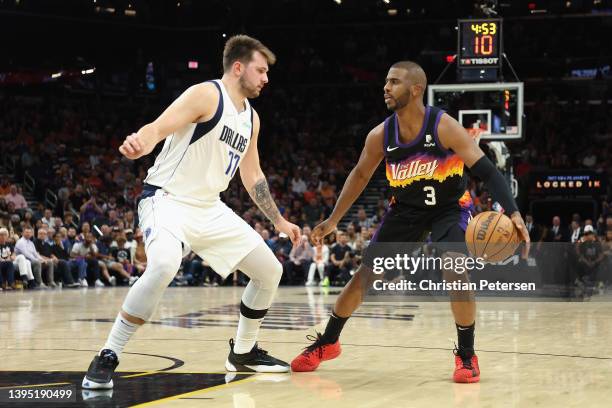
260	193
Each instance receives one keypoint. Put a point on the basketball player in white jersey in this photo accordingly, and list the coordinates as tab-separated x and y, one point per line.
210	131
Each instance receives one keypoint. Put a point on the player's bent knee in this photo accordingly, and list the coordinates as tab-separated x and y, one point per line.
276	274
130	318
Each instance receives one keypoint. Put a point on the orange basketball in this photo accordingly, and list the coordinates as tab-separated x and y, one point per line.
492	236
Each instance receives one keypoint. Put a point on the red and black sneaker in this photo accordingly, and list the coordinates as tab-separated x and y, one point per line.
466	367
314	354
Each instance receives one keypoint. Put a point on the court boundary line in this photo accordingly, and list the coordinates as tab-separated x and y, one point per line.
343	344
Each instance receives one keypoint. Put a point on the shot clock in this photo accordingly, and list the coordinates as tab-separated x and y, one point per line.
479	43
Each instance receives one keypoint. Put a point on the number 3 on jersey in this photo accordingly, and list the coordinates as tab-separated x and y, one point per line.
431	195
234	159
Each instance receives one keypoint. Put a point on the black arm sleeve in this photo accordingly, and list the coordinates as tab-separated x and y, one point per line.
495	183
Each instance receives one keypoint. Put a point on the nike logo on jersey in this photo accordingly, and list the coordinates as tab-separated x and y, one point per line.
412	170
233	139
389	149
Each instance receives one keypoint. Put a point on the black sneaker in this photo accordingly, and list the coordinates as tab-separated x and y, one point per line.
256	360
100	372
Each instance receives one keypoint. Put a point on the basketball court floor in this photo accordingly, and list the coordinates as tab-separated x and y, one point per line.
545	354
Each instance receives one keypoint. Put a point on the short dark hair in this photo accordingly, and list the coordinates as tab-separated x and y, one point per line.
241	48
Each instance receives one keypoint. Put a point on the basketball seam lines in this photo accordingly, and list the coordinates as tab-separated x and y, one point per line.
484	250
513	231
474	236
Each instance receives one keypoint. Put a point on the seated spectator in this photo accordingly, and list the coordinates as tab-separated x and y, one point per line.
43	246
590	255
129	220
130	242
320	261
362	220
70	239
58	223
85	229
122	264
64	264
69	220
7	267
341	262
48	218
298	185
104	259
299	260
85	254
198	272
16	198
24	267
39	212
28	218
282	247
351	235
26	247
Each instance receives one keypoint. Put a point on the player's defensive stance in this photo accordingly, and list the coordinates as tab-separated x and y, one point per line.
210	131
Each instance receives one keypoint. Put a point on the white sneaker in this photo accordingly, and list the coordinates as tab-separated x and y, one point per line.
98	283
84	283
43	286
133	280
113	281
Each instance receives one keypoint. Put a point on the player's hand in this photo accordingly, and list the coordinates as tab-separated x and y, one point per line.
322	230
522	229
292	231
135	146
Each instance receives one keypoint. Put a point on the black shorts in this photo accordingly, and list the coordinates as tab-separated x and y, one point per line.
404	224
406	230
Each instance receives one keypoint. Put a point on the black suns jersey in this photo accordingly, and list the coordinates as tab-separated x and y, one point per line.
423	174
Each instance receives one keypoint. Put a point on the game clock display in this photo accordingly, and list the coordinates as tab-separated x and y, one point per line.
480	43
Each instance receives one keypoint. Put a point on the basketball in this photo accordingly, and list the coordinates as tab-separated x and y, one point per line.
492	236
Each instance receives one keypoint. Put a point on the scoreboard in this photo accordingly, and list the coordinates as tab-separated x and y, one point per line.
479	43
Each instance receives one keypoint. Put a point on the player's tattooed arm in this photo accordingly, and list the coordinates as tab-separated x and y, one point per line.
260	193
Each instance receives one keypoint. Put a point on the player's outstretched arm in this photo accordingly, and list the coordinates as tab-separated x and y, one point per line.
454	137
198	103
371	156
256	185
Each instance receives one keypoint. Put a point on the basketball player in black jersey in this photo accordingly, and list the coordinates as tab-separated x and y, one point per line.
425	152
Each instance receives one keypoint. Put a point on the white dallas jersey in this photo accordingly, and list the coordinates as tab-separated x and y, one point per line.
198	161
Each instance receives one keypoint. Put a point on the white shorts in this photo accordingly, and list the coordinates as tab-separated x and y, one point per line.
212	230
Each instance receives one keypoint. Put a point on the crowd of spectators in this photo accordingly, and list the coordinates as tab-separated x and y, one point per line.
325	95
72	152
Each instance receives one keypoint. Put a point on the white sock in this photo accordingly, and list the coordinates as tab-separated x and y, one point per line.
247	334
120	334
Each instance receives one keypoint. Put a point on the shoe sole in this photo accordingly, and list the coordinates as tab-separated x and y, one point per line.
92	385
255	369
469	380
